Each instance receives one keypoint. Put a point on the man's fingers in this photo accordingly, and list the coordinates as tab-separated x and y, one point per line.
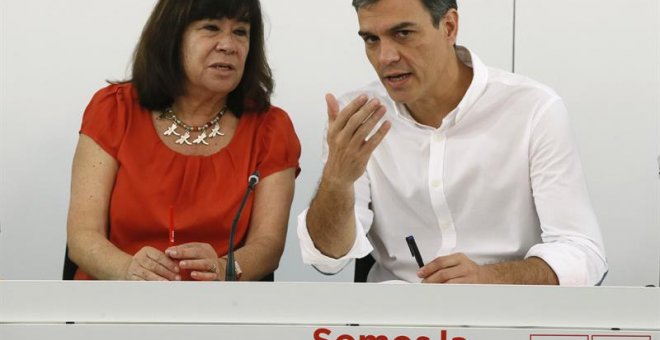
333	106
458	280
343	116
445	275
361	116
374	141
437	264
354	123
454	268
368	126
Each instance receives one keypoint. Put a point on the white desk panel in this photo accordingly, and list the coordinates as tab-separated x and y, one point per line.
293	332
335	304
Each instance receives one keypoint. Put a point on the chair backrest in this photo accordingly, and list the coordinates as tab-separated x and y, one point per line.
268	278
362	268
70	268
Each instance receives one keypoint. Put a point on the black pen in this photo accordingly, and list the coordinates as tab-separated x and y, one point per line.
415	251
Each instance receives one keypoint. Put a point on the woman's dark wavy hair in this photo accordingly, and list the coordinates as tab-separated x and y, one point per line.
158	72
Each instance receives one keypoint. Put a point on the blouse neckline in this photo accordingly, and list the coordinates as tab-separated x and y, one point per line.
156	135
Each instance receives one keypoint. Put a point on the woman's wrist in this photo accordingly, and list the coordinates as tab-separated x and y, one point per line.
237	268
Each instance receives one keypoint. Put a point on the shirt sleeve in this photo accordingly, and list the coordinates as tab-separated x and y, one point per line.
279	147
363	219
361	247
572	242
105	119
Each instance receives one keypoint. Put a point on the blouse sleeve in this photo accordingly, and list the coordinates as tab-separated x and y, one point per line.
279	147
105	118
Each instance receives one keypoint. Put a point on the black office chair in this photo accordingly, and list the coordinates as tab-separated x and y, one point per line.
70	268
362	268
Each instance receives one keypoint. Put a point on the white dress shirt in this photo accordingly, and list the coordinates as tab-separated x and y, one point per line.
499	180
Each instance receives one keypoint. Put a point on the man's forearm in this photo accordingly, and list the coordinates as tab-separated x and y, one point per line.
532	271
331	219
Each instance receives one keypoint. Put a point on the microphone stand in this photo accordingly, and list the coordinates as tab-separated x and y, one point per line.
230	272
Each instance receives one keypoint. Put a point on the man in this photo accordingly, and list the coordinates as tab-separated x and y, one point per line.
476	163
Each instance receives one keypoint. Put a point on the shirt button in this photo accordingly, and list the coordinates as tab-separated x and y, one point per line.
437	138
435	183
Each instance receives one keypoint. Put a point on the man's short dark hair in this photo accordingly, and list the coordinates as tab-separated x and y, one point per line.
437	8
158	72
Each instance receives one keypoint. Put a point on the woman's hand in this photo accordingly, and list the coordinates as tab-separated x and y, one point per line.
200	258
151	264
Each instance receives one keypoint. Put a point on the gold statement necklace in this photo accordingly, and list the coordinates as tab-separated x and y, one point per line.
184	136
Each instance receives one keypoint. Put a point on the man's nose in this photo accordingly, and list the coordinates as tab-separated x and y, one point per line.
388	53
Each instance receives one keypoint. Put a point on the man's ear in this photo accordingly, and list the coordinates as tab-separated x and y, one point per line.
449	25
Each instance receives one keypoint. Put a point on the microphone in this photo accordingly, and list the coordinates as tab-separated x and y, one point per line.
253	180
230	272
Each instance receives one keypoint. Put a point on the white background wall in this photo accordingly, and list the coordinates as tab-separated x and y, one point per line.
603	58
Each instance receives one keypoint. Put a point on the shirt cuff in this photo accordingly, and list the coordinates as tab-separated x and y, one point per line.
572	266
324	264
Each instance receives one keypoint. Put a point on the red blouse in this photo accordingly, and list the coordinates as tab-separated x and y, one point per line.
205	191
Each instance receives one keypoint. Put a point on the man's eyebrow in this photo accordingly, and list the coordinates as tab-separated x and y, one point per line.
397	27
401	26
364	33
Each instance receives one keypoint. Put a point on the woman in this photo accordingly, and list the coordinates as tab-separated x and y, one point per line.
173	149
